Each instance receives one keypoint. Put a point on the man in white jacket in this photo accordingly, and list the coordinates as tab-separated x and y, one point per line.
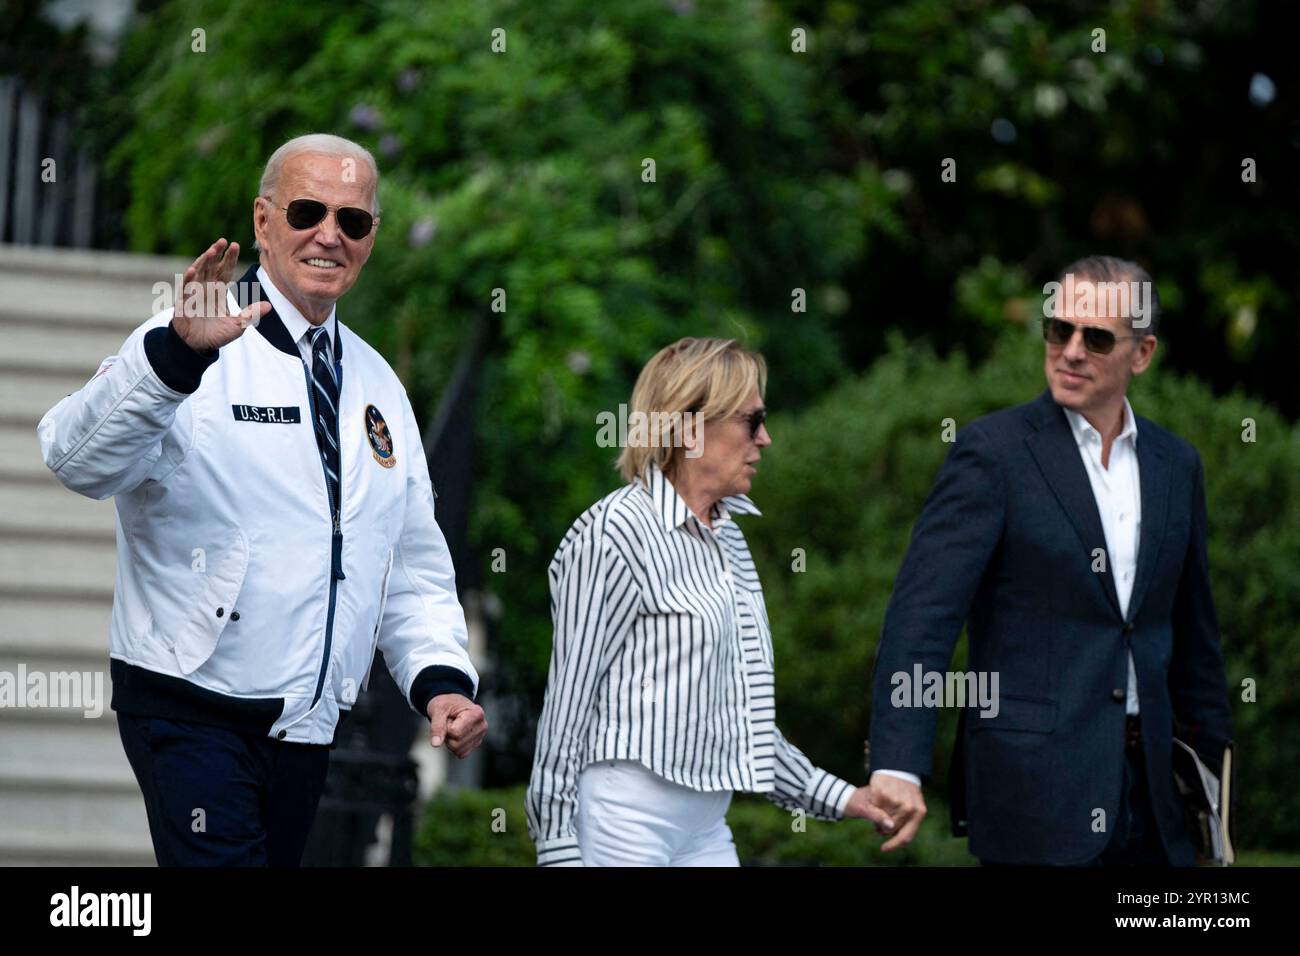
275	525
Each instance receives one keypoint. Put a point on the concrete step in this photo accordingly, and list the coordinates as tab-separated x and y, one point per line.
69	321
67	793
25	397
65	303
102	813
47	509
60	848
57	569
90	265
82	288
20	453
85	751
72	630
46	347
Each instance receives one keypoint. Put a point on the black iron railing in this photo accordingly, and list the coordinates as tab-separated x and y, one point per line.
47	181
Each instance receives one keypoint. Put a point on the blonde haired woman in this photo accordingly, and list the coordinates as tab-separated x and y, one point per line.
659	699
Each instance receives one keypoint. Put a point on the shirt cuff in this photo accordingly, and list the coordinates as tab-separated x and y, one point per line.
559	852
901	775
827	795
178	366
438	679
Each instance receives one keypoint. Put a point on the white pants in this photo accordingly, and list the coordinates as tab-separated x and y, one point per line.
631	816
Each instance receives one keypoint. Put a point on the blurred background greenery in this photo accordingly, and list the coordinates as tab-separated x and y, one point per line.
775	170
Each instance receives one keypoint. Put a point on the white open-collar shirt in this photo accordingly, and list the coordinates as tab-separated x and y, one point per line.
294	321
1117	488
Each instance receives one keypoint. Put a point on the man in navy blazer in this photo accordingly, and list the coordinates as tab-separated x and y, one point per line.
1069	536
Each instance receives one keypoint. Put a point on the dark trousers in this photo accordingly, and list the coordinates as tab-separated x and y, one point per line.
1134	837
218	797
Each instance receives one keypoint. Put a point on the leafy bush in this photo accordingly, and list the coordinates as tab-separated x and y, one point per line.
1062	150
474	828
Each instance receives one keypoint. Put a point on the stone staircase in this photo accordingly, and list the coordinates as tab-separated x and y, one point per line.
67	794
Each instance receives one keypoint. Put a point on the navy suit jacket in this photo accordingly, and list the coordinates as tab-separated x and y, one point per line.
1006	544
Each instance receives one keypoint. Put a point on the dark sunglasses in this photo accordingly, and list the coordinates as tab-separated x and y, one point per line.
1101	341
353	222
755	419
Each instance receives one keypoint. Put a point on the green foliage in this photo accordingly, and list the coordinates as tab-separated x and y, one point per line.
846	478
1063	148
474	828
818	169
52	62
457	829
522	171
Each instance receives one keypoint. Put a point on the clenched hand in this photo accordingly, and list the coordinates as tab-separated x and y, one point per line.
458	721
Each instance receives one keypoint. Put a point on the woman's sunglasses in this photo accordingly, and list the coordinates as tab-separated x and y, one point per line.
1101	341
353	222
755	419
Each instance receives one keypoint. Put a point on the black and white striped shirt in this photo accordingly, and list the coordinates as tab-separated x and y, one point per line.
662	655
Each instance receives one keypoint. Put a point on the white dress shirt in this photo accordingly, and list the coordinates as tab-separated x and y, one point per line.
1118	492
662	655
1117	489
294	321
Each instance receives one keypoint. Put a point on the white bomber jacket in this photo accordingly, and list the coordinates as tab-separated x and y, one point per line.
235	603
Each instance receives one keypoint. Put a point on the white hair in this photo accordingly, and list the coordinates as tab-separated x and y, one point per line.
325	144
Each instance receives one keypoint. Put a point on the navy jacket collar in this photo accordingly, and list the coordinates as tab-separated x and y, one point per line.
248	290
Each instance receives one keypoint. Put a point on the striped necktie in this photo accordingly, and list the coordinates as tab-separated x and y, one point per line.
325	388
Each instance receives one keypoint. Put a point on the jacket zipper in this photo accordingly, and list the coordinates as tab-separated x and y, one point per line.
336	534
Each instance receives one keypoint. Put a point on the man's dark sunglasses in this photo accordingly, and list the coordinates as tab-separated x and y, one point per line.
353	222
1101	341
